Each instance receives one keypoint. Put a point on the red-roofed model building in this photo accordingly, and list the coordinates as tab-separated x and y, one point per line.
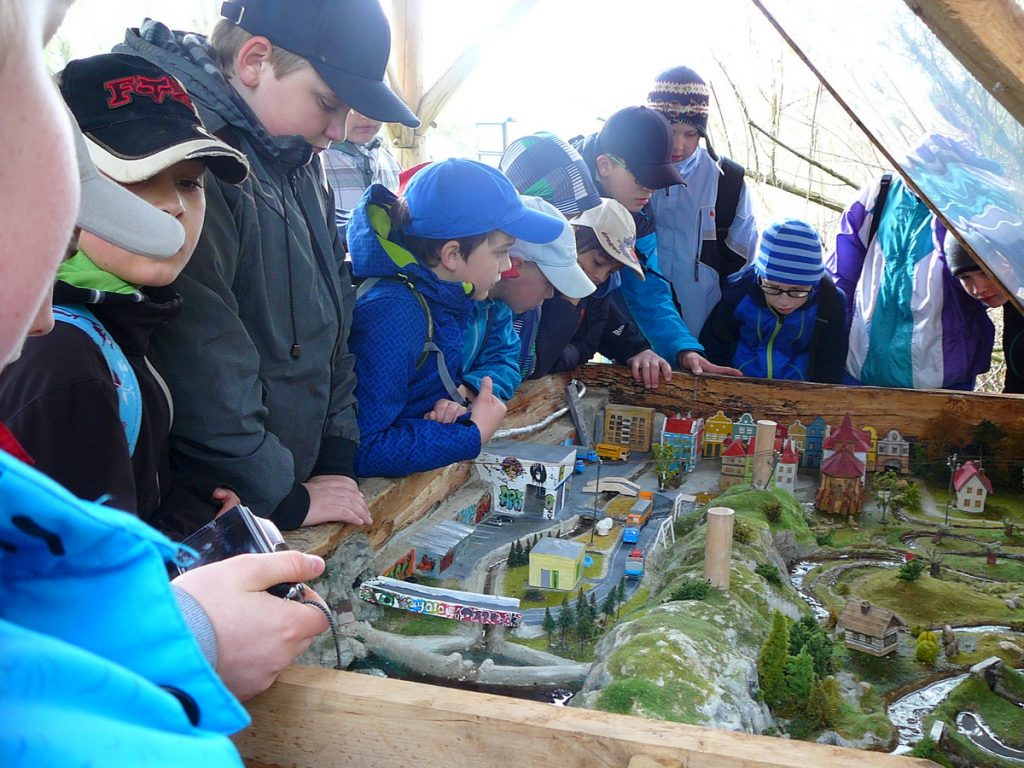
972	488
785	470
842	484
735	463
847	437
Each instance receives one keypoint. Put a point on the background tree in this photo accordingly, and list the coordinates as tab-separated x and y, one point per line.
566	619
609	604
884	485
620	595
833	700
911	570
585	627
771	663
815	712
548	624
808	634
799	677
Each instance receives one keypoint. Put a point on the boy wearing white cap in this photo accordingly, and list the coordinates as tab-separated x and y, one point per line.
492	345
782	317
571	332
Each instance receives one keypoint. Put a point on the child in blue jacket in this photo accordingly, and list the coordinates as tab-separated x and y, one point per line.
782	317
424	258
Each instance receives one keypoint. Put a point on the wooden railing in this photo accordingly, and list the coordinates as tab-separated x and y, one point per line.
319	718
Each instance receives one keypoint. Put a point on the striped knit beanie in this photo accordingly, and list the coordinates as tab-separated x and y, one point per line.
682	96
543	165
790	253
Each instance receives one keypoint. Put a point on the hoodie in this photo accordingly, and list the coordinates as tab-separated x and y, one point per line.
258	361
397	383
651	302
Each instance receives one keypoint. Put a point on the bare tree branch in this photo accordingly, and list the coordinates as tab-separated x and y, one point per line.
805	158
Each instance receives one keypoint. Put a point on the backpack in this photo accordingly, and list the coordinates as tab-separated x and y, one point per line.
876	217
429	345
126	383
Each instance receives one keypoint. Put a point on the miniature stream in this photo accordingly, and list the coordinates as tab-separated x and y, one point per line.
908	712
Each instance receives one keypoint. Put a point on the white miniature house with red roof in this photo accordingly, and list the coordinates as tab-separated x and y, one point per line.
972	487
785	469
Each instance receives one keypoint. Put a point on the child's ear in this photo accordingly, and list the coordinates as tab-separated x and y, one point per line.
252	60
451	255
604	165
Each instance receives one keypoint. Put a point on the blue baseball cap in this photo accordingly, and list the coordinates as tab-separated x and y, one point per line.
463	198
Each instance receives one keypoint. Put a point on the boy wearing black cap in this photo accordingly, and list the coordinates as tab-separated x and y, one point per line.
259	360
706	229
629	159
84	400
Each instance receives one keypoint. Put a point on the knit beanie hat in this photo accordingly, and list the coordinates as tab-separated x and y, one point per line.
790	253
683	97
959	260
543	165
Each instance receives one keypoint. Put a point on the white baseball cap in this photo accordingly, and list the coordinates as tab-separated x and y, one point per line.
615	230
557	259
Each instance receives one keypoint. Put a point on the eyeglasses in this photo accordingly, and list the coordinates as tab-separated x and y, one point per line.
793	293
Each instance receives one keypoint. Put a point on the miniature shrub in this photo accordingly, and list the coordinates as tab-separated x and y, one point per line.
741	532
685	525
769	573
824	539
842	588
532	595
691	589
927	648
929	750
911	570
773	512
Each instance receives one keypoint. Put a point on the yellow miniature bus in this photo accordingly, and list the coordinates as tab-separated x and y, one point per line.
612	452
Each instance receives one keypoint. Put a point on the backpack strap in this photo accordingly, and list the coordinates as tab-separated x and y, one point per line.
126	383
728	198
429	345
876	216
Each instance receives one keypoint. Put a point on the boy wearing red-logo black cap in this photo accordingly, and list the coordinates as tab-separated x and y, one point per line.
259	360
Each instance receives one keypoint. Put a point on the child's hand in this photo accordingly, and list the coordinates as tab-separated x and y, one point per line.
446	411
696	364
649	368
487	411
227	499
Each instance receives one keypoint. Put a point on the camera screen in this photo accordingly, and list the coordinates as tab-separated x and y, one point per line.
236	532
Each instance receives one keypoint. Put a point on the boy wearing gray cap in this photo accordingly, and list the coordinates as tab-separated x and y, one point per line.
258	361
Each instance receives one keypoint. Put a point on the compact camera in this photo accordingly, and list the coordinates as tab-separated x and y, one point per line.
239	532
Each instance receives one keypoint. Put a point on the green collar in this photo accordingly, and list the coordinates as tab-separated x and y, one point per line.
81	272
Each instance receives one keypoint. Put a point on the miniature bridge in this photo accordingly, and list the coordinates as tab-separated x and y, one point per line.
446	603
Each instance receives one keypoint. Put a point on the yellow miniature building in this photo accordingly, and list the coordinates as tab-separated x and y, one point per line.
629	425
717	430
797	433
556	564
872	447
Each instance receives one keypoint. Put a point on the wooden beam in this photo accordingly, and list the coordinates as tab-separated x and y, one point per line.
987	36
908	410
321	718
397	503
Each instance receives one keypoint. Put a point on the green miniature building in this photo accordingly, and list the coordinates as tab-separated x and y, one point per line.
556	564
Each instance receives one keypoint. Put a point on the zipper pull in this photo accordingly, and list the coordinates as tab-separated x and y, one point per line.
296	351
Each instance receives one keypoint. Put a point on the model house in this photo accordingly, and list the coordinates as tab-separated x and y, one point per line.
798	434
868	628
847	438
972	487
893	453
527	478
687	435
736	461
629	425
814	435
437	547
785	470
841	490
556	564
744	428
717	430
872	435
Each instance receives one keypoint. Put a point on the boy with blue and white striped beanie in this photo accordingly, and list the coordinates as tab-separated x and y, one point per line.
782	317
790	254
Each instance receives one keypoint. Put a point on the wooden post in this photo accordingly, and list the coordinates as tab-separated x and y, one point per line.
718	546
764	452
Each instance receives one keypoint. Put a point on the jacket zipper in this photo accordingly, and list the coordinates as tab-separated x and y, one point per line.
771	343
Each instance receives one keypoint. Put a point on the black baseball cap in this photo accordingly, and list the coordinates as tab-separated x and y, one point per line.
642	139
138	120
347	42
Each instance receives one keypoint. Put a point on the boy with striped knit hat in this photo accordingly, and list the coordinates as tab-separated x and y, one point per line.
782	317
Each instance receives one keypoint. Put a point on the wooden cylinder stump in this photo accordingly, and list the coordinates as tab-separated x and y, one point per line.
718	547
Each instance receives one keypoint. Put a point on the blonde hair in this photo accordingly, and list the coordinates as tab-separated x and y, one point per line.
227	40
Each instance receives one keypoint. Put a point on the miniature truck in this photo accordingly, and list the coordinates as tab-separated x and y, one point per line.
638	517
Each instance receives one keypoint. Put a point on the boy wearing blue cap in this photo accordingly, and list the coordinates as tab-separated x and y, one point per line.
782	317
425	257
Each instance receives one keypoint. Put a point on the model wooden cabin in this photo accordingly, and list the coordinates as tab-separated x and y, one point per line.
868	628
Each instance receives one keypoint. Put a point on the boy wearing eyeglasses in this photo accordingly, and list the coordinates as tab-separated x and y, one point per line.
782	317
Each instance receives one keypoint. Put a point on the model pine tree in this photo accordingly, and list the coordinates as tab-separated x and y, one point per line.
548	624
771	663
816	710
609	604
799	677
566	619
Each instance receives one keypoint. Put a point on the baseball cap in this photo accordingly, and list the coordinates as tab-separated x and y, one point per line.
138	120
347	42
114	214
557	259
546	166
462	198
642	139
615	230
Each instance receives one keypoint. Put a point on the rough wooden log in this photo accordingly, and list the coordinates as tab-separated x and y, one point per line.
321	718
396	504
908	410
